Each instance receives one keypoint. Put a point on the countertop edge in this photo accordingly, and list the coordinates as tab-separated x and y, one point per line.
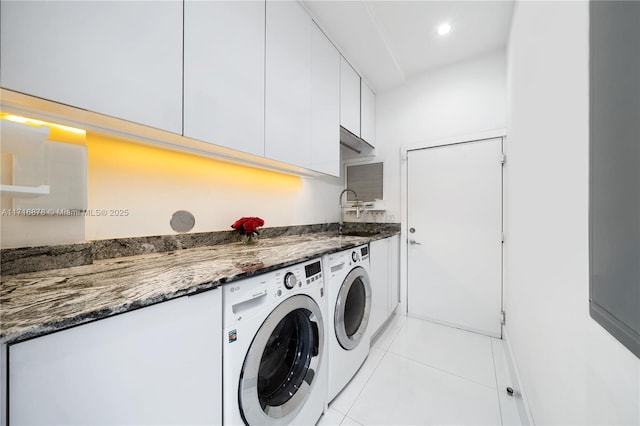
88	317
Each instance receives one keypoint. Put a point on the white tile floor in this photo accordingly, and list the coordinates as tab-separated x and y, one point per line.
421	373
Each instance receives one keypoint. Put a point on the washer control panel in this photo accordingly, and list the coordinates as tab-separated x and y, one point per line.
313	272
297	276
241	297
360	254
290	280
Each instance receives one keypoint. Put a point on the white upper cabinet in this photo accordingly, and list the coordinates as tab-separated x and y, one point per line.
119	58
224	45
288	83
325	104
254	76
357	104
368	115
349	98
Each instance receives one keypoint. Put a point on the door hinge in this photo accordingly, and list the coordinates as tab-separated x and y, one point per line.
502	237
503	158
503	318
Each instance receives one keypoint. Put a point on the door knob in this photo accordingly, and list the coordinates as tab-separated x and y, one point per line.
414	242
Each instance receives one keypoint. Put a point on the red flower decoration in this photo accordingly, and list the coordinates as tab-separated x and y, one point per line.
247	225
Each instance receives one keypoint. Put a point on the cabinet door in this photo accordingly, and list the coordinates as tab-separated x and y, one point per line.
161	364
224	73
349	98
325	105
368	115
119	58
379	275
394	273
288	83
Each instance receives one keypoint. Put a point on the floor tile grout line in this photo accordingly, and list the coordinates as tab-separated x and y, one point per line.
352	420
441	370
495	374
325	413
385	352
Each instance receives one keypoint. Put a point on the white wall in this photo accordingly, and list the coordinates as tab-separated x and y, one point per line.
149	184
464	98
572	371
152	183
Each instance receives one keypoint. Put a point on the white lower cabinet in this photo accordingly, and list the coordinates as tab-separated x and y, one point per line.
394	273
158	365
384	258
379	273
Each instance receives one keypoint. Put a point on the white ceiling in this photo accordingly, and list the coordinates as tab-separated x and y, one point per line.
388	42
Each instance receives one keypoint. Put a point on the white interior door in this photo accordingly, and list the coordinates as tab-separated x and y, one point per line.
455	235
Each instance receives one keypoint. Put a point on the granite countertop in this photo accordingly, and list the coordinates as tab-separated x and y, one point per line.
37	303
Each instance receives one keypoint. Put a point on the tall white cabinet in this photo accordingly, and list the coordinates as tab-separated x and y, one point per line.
161	364
224	46
118	58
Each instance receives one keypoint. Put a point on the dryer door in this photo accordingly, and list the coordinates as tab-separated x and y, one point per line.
353	307
279	371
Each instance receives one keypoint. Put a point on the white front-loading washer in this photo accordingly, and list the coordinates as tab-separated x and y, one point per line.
349	299
274	356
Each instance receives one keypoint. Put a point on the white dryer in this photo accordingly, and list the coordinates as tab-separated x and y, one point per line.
349	298
274	356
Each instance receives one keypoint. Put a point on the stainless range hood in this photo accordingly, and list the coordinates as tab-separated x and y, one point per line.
355	146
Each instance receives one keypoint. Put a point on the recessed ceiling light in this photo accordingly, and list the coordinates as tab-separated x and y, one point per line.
444	29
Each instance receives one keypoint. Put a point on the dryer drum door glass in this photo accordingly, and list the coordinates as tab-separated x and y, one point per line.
281	364
353	307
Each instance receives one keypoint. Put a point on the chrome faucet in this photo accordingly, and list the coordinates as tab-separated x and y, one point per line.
341	207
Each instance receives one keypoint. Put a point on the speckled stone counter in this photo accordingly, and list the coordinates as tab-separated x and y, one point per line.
37	303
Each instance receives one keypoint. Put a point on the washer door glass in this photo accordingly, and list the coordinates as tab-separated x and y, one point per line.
353	307
282	362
